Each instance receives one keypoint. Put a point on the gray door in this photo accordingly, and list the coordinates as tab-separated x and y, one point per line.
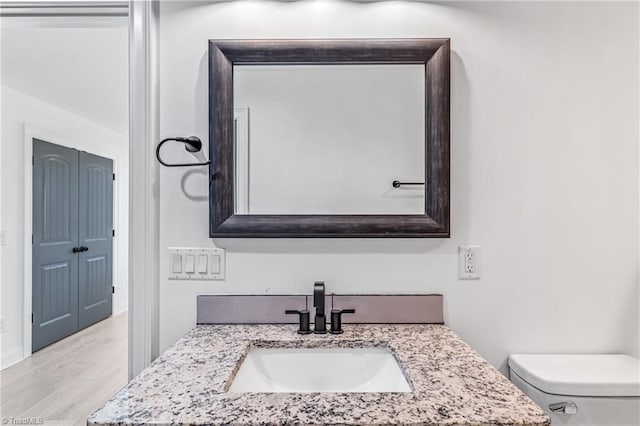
95	236
55	234
72	241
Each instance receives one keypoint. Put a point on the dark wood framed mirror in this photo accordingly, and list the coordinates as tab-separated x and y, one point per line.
230	220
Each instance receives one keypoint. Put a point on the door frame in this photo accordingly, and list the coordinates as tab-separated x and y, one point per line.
144	225
34	132
142	20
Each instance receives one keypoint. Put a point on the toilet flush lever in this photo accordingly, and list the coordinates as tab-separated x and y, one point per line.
564	408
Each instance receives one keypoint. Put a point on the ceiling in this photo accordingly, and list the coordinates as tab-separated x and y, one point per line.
82	70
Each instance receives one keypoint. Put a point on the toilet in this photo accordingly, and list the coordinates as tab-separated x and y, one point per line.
581	390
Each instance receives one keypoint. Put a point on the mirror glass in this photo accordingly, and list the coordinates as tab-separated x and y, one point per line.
329	139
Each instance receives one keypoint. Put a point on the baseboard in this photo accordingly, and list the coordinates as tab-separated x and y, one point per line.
10	357
119	309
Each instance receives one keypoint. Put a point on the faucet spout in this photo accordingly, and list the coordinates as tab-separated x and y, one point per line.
318	297
320	322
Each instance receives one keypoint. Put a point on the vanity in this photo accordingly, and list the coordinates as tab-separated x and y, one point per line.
450	384
368	374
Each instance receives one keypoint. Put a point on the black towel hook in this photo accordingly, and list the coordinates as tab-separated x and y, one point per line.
191	144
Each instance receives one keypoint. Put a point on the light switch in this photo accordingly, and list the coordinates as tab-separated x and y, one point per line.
190	264
202	264
177	263
196	263
214	264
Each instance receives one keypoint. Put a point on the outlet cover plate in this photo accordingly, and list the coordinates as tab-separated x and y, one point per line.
196	264
469	262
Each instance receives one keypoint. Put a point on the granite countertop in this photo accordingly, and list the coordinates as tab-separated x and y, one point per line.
452	384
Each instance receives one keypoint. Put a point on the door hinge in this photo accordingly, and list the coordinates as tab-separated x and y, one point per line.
33	160
31	317
33	239
113	290
113	232
114	176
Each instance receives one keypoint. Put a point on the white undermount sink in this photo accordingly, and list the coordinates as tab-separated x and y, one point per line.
320	370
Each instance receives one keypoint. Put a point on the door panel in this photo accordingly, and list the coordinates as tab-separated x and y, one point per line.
55	292
95	233
55	233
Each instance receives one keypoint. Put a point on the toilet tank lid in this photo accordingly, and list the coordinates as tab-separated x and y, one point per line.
579	375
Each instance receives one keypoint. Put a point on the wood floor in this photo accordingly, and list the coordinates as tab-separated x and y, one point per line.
64	382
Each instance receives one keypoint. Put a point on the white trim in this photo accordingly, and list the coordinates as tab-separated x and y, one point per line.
143	182
31	132
59	22
56	14
28	247
635	346
64	8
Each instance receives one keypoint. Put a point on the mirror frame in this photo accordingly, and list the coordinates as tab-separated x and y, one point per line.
433	53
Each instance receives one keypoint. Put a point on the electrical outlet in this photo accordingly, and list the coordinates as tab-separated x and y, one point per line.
469	262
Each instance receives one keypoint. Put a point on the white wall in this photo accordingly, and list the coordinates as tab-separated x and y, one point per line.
58	126
544	170
82	65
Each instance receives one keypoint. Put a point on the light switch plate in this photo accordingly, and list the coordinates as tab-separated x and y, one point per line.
196	264
469	262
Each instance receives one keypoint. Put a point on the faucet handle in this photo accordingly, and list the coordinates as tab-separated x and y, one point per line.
303	327
336	319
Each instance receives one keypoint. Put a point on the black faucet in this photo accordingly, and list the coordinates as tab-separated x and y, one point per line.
320	321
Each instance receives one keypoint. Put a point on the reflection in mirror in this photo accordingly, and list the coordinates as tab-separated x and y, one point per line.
329	139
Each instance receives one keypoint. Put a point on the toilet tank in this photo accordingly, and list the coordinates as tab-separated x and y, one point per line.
581	390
